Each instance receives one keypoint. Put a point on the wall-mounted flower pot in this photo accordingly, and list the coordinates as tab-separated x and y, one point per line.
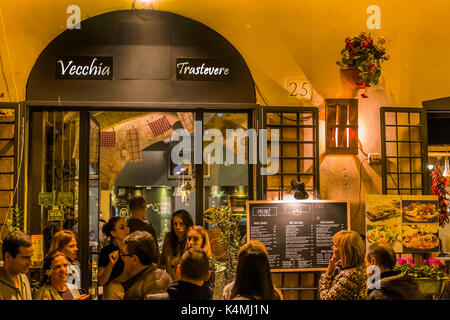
430	287
350	81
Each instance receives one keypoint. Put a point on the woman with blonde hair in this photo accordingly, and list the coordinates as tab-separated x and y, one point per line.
197	237
345	278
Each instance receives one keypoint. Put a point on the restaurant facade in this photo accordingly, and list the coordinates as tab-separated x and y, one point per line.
92	114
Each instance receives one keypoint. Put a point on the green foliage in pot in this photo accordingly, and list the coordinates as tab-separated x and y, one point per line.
362	52
16	222
231	238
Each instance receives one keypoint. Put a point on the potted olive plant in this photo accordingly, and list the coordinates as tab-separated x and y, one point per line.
231	239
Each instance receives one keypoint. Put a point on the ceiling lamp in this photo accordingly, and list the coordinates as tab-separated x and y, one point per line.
142	4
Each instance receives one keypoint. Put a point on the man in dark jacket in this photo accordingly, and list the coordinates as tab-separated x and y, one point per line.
144	278
193	271
391	285
138	208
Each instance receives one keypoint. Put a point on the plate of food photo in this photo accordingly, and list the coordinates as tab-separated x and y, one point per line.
383	233
383	212
422	238
420	211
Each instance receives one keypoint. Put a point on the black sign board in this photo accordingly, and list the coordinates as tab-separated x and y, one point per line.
84	68
203	69
297	234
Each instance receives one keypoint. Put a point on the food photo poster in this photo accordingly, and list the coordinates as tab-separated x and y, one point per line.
409	224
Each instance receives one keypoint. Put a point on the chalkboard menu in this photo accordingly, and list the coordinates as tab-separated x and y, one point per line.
297	234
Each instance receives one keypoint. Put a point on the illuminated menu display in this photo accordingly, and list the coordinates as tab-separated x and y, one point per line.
297	234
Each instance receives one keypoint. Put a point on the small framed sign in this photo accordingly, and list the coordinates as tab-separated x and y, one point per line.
84	68
65	198
38	245
195	69
56	214
45	199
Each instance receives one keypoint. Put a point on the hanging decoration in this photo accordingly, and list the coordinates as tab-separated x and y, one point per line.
133	145
107	139
187	121
439	183
160	126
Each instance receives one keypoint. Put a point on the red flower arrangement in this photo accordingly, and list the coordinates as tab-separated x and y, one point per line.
431	268
367	56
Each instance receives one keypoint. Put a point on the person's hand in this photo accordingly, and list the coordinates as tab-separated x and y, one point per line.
113	257
332	264
82	297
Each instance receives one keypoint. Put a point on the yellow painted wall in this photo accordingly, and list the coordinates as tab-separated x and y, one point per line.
279	40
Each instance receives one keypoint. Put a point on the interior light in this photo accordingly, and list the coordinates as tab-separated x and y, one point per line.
430	167
142	4
446	172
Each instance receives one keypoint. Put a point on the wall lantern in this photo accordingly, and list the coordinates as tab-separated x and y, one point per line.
341	126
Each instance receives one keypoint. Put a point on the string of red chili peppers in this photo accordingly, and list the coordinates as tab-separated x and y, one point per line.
439	183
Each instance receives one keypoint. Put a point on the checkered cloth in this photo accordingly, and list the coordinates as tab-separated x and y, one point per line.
187	121
160	126
107	139
133	145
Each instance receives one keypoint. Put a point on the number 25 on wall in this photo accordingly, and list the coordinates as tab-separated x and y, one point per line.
298	88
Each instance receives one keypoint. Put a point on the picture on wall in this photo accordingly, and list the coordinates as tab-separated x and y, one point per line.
408	224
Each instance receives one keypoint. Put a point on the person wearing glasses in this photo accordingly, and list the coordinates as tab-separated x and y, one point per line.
110	265
144	278
54	283
17	252
138	208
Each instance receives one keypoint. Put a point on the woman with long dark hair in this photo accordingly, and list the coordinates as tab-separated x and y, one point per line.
109	263
253	278
175	242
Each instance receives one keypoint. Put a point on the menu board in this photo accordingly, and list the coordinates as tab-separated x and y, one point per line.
409	224
297	234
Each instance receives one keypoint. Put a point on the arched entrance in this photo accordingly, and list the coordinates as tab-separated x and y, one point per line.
103	103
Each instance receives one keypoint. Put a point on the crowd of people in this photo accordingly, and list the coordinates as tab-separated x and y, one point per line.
131	266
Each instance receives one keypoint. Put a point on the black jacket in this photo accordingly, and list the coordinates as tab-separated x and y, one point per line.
139	225
181	290
395	286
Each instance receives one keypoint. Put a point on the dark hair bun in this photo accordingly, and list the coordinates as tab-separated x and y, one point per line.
110	226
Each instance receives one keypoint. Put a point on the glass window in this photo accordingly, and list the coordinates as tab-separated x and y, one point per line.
226	161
